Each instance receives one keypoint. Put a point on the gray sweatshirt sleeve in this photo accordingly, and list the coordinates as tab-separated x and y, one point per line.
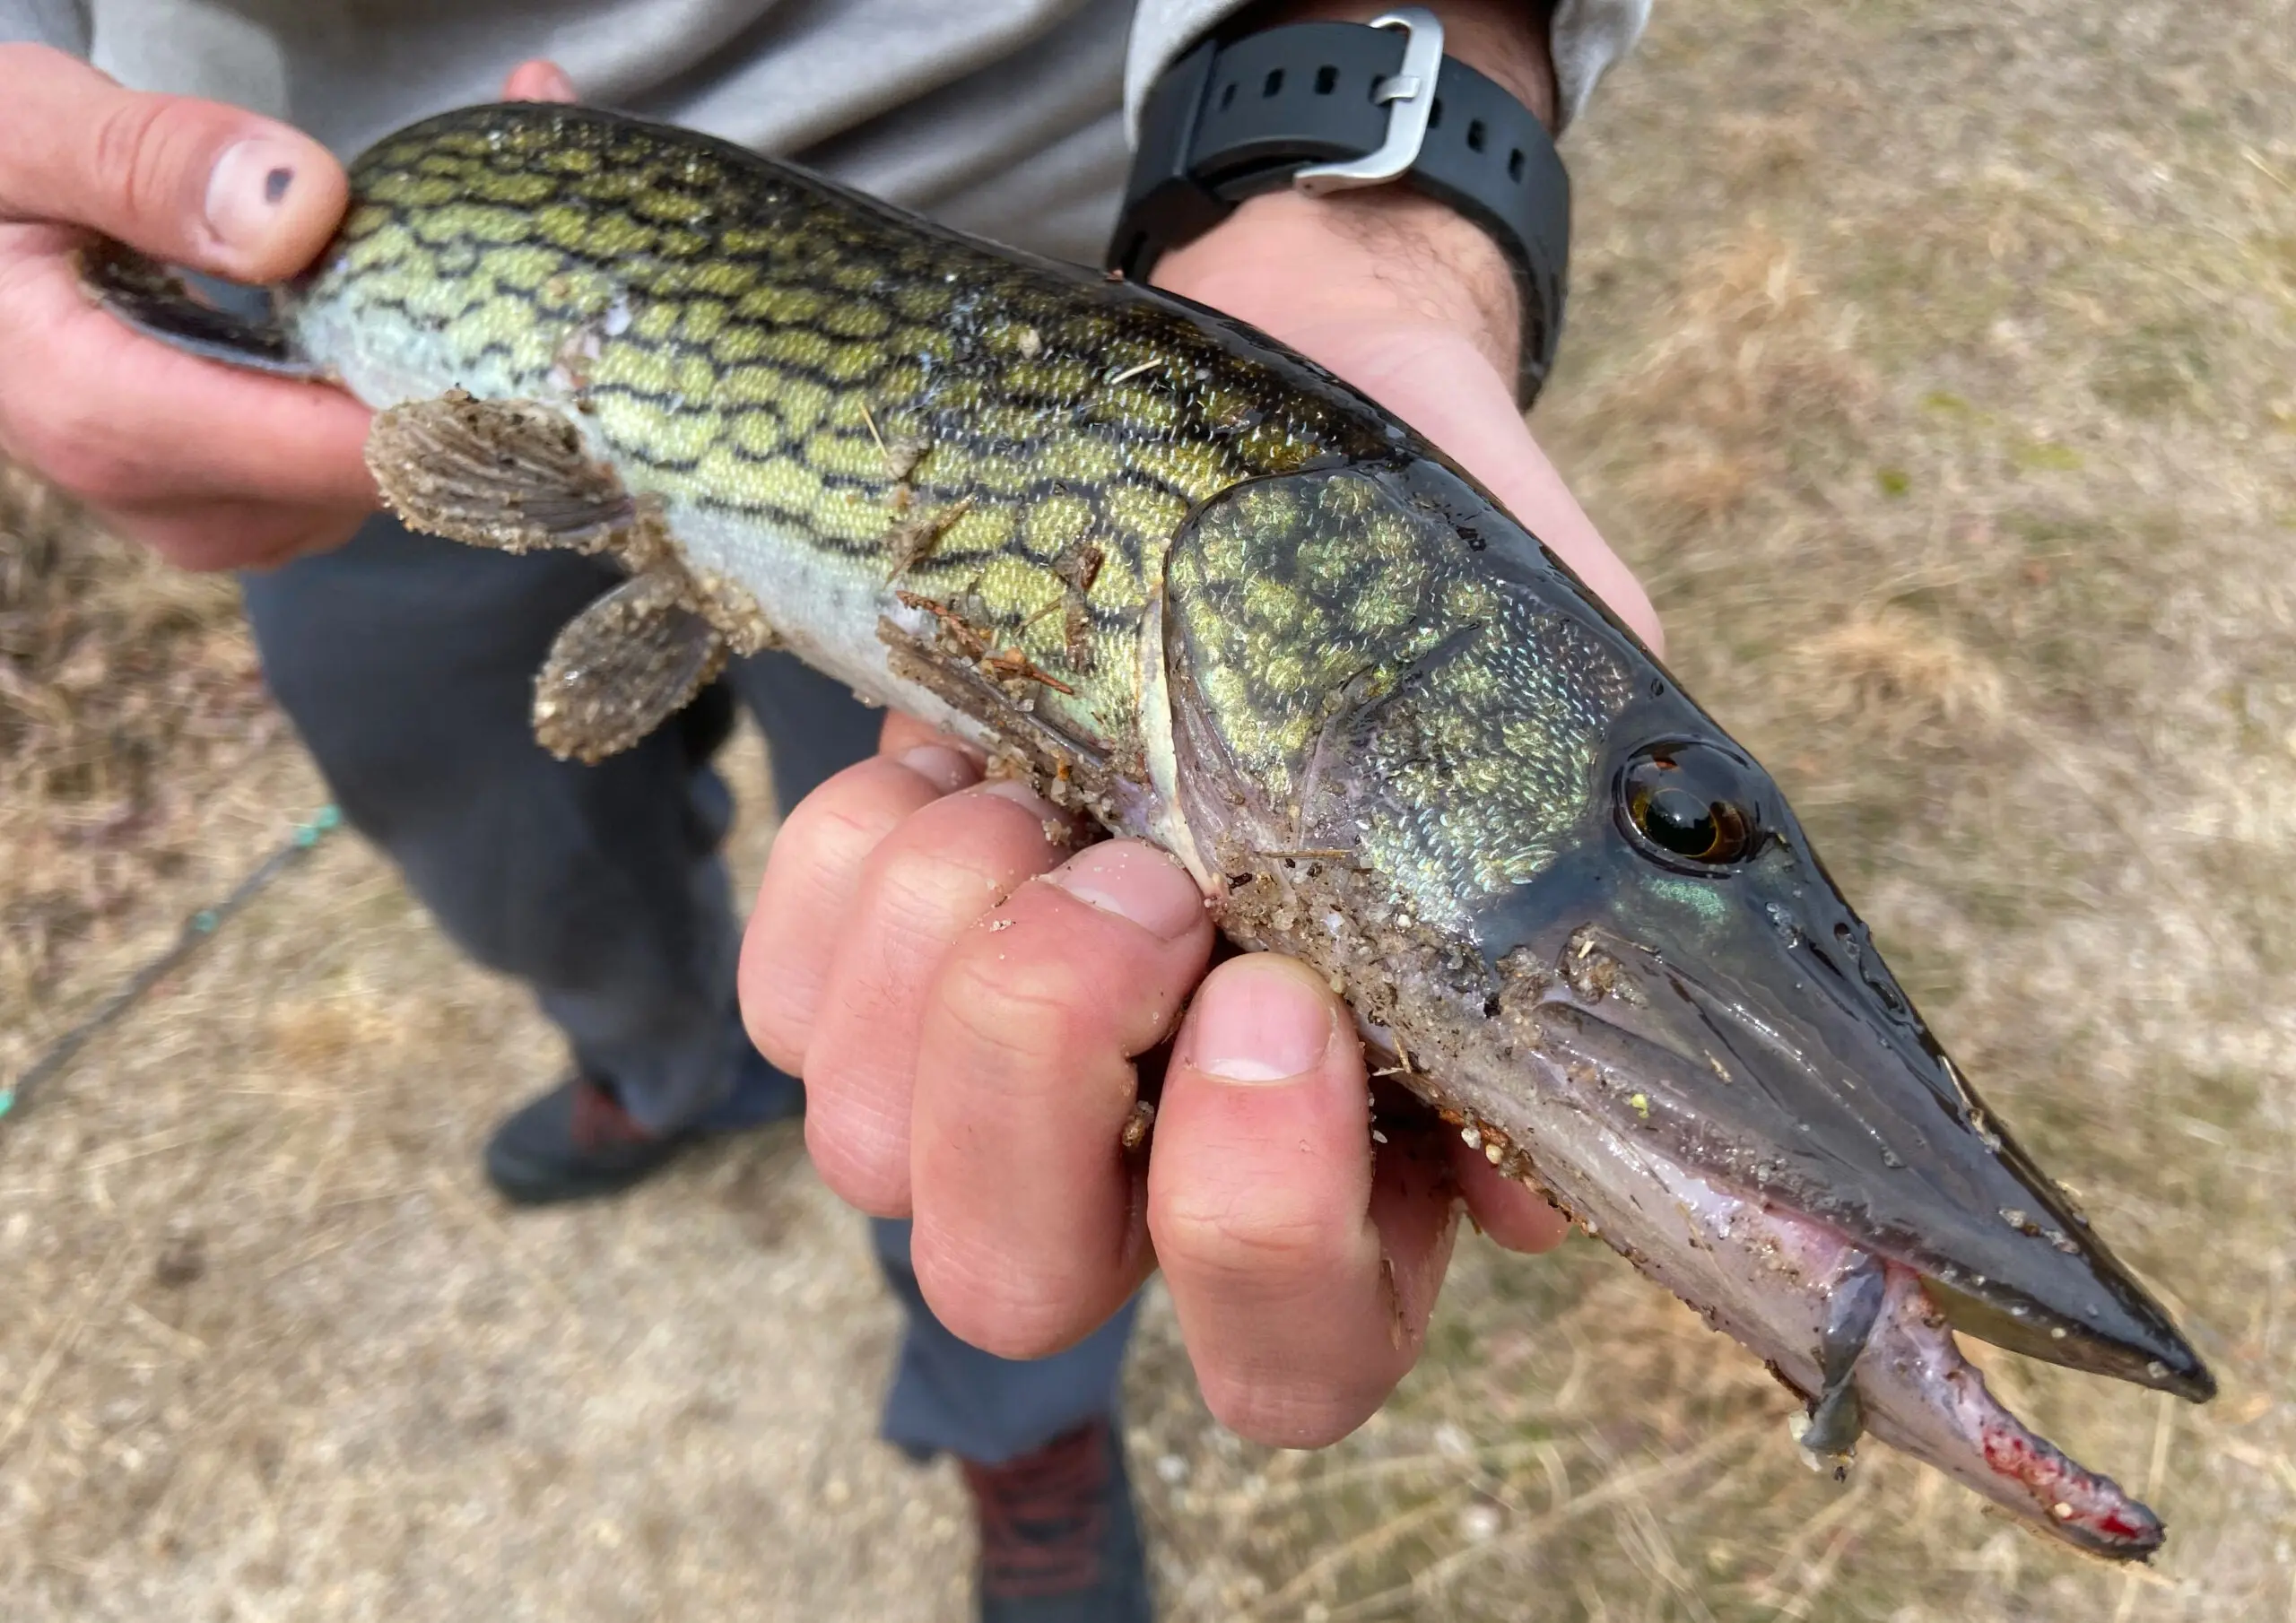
1584	37
62	23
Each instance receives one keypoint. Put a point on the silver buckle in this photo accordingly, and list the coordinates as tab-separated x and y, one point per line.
1409	95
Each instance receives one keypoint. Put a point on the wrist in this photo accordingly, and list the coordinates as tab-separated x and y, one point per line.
1286	261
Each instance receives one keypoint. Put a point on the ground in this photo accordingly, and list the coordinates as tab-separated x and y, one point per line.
1935	363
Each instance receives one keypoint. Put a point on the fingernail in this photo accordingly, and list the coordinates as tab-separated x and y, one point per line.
247	188
1020	794
1059	827
946	770
1261	1020
1135	882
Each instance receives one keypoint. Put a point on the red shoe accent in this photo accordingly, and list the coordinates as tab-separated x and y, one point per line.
1043	1516
600	1123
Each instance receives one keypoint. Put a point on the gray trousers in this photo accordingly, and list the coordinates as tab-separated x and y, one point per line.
408	664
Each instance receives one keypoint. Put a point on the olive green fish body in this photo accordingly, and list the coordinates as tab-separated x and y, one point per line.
834	404
1190	582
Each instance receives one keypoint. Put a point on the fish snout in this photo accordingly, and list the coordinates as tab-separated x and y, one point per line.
1807	1079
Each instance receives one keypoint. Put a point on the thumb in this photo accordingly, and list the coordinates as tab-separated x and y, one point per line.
538	79
191	182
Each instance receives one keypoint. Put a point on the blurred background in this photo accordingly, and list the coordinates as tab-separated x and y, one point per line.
1934	364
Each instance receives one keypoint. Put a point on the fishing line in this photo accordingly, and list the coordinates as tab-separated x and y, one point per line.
198	930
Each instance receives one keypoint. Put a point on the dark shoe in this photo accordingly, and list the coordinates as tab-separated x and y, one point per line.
573	1144
762	1096
1059	1542
577	1143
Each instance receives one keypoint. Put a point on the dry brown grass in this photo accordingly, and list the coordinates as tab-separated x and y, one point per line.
125	687
1936	364
1934	367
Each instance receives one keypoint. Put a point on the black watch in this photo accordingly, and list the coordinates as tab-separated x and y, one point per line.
1327	106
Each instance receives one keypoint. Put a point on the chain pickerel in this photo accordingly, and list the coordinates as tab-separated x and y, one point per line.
1190	584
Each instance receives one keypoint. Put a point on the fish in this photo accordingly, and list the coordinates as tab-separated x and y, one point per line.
1194	587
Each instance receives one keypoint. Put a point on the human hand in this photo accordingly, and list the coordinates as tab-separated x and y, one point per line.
213	467
1412	302
965	1000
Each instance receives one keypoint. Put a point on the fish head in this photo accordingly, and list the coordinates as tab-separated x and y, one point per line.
1691	968
1587	925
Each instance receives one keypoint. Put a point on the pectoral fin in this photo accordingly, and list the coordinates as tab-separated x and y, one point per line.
621	667
506	473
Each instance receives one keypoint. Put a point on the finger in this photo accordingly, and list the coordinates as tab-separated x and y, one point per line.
905	732
1302	1270
539	79
1030	1220
191	182
128	423
806	897
921	887
1514	1214
236	535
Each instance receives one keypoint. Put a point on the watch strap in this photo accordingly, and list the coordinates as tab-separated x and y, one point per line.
1231	119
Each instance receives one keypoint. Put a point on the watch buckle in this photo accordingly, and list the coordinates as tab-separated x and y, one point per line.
1409	95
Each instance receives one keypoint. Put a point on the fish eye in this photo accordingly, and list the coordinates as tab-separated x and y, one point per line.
1690	802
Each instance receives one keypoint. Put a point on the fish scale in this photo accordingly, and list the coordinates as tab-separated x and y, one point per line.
757	352
1186	580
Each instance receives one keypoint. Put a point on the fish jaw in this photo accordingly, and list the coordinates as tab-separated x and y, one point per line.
1922	1398
1767	1276
1746	1025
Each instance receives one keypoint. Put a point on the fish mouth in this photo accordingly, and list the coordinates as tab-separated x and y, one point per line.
1816	1096
1880	1357
1842	1292
1709	1063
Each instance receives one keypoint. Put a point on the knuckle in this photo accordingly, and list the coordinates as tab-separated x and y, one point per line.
1245	1240
818	856
925	886
837	820
1025	1011
136	156
829	836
